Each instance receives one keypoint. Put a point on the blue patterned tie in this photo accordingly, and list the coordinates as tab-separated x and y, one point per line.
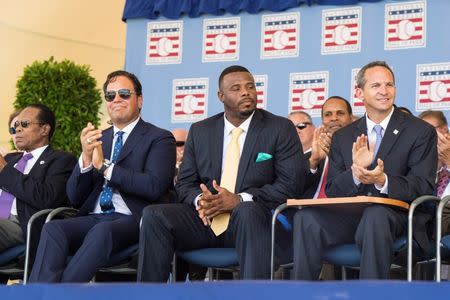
378	130
107	193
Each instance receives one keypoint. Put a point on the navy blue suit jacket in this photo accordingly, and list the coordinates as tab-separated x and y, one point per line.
270	182
143	173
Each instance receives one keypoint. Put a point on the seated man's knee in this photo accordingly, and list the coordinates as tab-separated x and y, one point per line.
247	210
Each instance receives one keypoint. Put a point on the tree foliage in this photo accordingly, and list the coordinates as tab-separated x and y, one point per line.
67	89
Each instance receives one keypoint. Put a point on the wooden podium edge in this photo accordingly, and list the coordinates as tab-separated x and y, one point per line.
348	200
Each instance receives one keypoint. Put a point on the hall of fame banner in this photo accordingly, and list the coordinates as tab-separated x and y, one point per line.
164	43
341	30
189	99
261	91
405	25
221	39
308	91
280	35
358	107
433	86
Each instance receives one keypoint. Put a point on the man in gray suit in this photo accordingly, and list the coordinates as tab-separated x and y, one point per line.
270	170
400	163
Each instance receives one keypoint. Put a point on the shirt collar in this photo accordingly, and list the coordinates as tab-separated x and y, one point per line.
127	129
383	124
37	152
244	126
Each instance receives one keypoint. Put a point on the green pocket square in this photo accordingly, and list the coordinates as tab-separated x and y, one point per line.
263	156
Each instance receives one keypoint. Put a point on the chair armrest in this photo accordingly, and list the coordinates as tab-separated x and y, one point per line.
31	221
439	211
68	212
412	208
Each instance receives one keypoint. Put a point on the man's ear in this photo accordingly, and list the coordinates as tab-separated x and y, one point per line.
359	93
220	95
45	130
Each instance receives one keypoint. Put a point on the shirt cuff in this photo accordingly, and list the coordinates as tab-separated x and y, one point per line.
109	172
84	170
196	200
246	197
383	189
356	181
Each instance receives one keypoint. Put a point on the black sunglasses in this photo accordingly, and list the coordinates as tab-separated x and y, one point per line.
125	94
24	124
180	143
302	125
12	130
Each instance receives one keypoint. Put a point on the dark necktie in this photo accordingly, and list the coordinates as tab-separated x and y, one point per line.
443	180
6	199
107	193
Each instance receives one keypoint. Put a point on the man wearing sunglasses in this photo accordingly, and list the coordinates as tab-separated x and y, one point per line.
120	171
12	130
305	128
180	136
237	166
31	180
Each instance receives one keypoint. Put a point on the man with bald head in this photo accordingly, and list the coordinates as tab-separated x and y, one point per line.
180	136
305	128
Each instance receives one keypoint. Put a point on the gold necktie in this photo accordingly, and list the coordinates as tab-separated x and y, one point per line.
220	223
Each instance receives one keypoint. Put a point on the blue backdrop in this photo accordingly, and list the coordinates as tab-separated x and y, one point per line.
158	79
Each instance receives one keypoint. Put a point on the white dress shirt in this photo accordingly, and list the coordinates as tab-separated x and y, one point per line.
228	128
119	204
372	136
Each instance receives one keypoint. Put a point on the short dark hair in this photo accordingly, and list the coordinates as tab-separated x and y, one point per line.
136	83
361	80
437	114
347	104
12	116
45	116
231	69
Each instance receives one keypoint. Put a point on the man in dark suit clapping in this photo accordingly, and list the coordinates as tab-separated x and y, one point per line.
400	163
237	167
137	170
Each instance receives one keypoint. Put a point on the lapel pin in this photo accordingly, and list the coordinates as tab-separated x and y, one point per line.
42	162
395	131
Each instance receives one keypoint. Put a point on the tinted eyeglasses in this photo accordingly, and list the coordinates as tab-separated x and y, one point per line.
180	143
12	130
125	94
24	124
302	125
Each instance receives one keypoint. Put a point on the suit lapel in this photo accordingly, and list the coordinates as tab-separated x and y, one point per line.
247	152
393	131
41	160
216	146
107	142
132	140
361	128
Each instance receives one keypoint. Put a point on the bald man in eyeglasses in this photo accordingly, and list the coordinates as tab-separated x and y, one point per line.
305	129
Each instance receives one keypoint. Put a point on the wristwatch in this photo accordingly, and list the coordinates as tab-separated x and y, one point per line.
105	165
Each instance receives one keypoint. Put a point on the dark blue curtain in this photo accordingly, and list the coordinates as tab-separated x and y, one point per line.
174	9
